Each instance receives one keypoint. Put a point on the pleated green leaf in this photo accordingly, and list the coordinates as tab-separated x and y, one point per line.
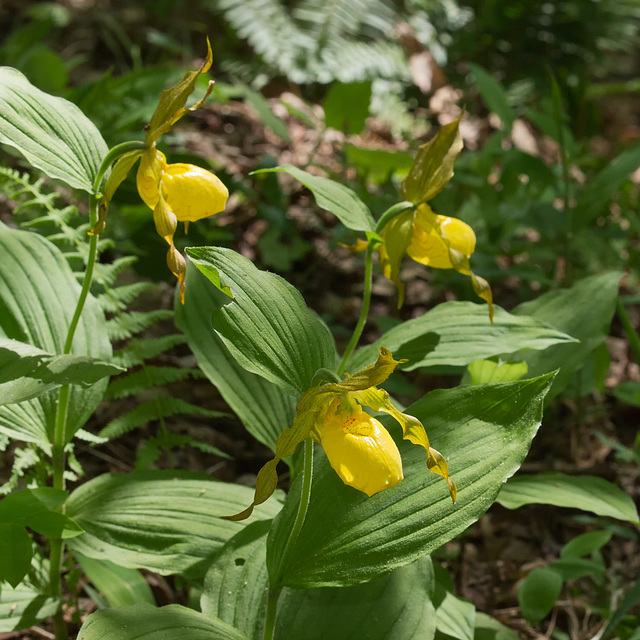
396	606
343	202
38	294
119	585
458	333
24	607
484	431
26	371
265	324
236	587
51	133
145	622
163	521
588	493
262	407
584	311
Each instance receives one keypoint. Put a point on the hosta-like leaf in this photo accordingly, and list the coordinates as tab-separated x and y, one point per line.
26	371
38	295
588	493
143	621
395	606
584	311
52	133
343	202
166	522
484	431
265	324
263	408
458	333
24	607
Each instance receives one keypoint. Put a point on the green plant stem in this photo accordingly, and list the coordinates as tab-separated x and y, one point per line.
303	507
364	312
58	455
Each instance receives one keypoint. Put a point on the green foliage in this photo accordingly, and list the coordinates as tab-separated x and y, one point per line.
588	493
311	43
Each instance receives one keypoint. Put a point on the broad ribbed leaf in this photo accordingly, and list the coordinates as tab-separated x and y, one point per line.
143	621
484	432
588	493
236	586
343	202
584	311
119	585
163	521
38	295
265	324
458	333
24	607
26	371
263	408
395	606
52	133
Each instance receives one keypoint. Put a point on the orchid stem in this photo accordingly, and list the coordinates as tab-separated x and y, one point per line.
364	312
303	507
58	454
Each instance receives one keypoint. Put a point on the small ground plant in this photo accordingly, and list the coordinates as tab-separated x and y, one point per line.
375	488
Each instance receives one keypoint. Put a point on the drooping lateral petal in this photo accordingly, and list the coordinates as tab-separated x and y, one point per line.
311	411
172	100
480	285
118	174
412	429
396	237
152	166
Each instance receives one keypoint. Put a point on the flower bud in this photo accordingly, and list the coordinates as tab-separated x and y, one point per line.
360	450
165	219
178	266
191	192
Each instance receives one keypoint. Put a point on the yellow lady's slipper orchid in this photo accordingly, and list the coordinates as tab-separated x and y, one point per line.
434	240
434	236
175	192
358	447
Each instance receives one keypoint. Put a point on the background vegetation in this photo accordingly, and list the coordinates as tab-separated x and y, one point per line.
548	179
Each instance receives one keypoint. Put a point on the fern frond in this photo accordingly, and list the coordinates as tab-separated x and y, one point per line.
128	324
158	409
139	350
107	274
24	459
129	384
116	299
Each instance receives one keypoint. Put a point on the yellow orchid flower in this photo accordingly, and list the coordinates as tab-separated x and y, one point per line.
177	193
174	192
358	447
434	240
